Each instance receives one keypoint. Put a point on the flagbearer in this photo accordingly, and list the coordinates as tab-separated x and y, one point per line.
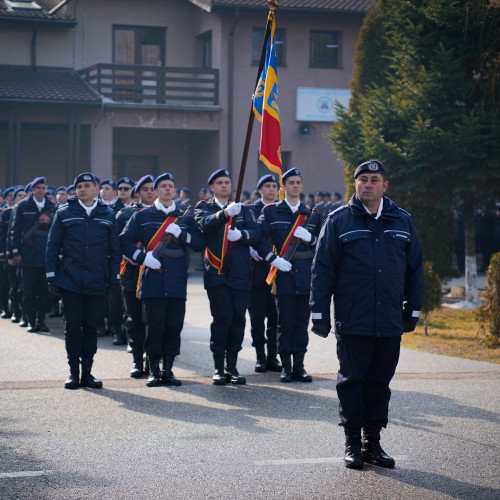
84	234
283	225
163	276
261	304
226	277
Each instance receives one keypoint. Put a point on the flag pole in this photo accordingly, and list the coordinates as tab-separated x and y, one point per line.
273	6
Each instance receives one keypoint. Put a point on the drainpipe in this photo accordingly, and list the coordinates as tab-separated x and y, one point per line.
33	46
230	83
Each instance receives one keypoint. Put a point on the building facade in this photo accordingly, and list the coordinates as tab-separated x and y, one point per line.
129	87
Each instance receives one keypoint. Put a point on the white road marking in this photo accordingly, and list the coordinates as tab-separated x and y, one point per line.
324	460
24	473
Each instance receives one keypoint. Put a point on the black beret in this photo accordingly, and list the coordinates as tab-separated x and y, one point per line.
163	177
186	190
85	177
107	182
27	188
222	172
266	178
126	180
145	179
291	173
9	190
17	191
38	180
71	187
61	188
319	193
371	166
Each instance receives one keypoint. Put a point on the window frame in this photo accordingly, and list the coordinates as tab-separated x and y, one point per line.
337	64
278	42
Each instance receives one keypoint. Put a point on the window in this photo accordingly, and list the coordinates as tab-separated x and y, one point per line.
139	45
279	43
324	49
205	49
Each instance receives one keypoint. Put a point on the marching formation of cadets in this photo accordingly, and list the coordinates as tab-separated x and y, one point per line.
115	258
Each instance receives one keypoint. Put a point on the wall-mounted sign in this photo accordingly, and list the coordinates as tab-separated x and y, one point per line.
317	105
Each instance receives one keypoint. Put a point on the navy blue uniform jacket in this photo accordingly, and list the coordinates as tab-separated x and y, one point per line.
141	227
370	266
211	219
89	248
276	221
25	216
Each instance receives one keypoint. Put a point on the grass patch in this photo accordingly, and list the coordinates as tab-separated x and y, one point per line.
452	333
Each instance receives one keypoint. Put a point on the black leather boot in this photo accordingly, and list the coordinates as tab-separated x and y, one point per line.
24	322
372	451
272	363
137	368
41	326
32	322
260	365
119	337
353	458
87	378
154	379
231	373
167	376
73	381
286	368
219	377
299	374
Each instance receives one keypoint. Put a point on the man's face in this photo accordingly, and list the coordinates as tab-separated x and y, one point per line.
318	198
222	187
86	191
19	196
269	190
61	197
8	198
165	191
147	193
124	192
293	186
71	192
39	191
107	193
370	187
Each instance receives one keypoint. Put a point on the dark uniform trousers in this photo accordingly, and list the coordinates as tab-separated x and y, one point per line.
35	293
82	314
262	305
228	307
4	287
14	274
134	324
293	320
367	365
164	318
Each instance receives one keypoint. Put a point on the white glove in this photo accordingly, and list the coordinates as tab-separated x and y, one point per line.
173	229
233	234
233	209
282	264
303	234
151	261
254	254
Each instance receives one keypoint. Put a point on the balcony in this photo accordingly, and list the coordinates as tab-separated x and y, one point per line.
155	85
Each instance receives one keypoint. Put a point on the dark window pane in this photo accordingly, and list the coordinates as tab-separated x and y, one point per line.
279	43
324	49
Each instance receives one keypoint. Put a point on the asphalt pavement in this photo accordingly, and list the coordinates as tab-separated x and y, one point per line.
265	440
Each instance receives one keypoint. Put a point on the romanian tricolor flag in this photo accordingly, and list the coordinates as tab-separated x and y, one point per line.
266	109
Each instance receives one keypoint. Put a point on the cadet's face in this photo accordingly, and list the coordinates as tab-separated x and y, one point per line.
107	193
269	190
147	193
8	198
19	196
165	191
124	192
370	188
86	191
61	197
293	186
39	191
222	187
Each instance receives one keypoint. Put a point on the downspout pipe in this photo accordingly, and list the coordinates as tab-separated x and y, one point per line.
33	46
230	93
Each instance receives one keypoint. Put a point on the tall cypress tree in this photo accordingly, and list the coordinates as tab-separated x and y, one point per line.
426	104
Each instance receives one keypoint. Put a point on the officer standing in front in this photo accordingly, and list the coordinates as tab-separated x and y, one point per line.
280	224
163	278
369	258
227	283
30	226
83	259
261	303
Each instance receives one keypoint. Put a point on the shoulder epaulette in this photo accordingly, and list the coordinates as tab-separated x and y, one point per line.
343	207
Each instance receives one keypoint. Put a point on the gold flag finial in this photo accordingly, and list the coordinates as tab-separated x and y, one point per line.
273	5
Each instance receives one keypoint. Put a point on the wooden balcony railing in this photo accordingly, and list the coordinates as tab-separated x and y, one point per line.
154	84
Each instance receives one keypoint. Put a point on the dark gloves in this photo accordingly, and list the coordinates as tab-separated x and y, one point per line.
409	321
54	289
321	329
